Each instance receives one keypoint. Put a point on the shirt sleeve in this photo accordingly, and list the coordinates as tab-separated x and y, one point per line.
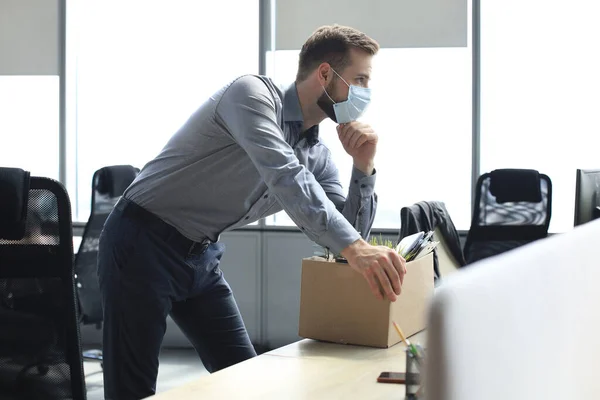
360	206
247	110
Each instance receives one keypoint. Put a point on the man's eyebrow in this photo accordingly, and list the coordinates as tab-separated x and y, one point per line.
363	76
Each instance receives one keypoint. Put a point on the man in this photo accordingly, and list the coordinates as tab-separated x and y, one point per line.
251	150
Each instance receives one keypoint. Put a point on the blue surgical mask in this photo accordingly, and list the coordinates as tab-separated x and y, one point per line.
355	106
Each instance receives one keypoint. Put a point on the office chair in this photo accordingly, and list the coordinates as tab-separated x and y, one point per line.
433	216
108	184
512	208
40	349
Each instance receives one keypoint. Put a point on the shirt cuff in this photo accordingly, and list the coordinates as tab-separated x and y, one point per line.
339	235
361	184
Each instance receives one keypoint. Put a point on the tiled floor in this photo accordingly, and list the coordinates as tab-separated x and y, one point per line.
177	367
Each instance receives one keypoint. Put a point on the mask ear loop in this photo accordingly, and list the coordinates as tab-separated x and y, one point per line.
340	77
349	88
325	90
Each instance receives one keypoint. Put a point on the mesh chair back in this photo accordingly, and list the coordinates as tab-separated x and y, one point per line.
513	213
108	184
40	350
498	227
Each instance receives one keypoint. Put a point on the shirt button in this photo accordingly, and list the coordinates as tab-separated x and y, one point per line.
265	196
247	217
359	213
363	186
356	181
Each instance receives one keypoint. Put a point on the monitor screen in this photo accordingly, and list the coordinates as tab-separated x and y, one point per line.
587	195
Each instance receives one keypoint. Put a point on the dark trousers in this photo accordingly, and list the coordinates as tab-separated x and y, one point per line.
148	270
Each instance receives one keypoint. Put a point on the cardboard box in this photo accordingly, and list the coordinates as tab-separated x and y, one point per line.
337	305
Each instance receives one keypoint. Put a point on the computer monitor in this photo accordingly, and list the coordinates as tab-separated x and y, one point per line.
587	195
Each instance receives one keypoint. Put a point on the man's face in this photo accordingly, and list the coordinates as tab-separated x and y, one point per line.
357	73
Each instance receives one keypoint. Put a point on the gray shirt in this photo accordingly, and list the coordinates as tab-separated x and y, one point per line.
243	156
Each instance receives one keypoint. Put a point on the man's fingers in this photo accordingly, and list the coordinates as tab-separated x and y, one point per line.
354	137
392	274
347	137
371	136
354	134
365	137
344	129
373	285
399	265
361	140
344	139
385	283
352	126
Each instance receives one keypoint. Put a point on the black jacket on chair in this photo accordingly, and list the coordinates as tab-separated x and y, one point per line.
427	216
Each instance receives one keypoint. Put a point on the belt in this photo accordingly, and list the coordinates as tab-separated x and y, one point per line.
165	231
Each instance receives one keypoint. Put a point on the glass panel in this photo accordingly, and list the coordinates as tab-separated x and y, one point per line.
421	109
540	86
139	79
29	124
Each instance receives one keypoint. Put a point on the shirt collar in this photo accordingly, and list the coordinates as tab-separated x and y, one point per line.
292	113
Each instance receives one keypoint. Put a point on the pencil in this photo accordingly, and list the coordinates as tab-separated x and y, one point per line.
410	346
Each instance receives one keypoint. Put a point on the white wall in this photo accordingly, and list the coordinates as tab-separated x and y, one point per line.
29	37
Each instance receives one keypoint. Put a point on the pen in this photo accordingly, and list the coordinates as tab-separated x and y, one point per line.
410	346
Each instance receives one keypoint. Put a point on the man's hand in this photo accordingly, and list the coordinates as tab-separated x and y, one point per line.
377	264
360	142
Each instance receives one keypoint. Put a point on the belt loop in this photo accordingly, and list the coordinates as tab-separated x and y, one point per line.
192	248
203	245
121	203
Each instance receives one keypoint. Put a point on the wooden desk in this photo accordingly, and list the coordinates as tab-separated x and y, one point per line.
304	370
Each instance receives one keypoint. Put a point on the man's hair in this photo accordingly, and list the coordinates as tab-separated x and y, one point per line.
332	44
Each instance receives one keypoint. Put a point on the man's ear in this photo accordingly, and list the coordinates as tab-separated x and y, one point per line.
324	74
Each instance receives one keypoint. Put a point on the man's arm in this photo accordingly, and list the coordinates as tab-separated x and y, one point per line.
360	206
247	110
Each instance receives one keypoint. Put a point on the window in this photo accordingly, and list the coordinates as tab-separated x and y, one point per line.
421	108
29	106
539	93
139	69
